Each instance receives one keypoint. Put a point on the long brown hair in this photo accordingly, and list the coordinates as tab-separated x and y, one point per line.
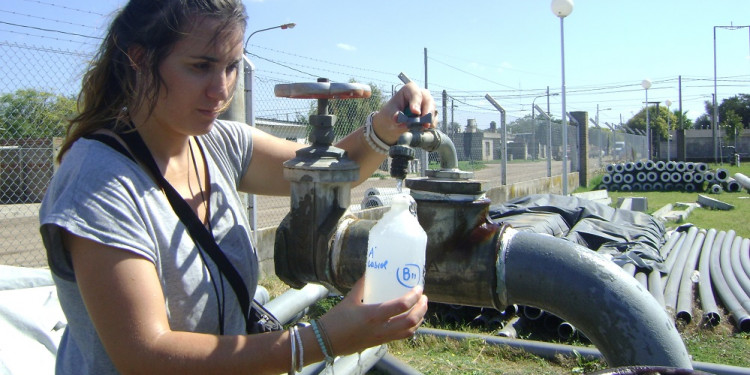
153	26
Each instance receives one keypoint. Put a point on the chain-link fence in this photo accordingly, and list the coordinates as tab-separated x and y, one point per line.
38	88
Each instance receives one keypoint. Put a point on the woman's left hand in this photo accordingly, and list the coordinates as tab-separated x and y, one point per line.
419	101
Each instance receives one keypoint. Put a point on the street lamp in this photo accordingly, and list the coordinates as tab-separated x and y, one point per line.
563	8
283	27
646	84
669	125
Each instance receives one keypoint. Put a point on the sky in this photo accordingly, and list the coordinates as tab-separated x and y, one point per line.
509	49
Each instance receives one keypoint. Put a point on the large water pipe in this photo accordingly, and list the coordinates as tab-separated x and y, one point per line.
742	180
705	292
538	270
685	293
741	316
732	185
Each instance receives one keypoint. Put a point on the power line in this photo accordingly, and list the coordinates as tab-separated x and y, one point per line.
47	19
49	30
66	7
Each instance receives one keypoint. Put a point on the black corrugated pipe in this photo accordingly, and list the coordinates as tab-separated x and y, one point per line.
742	276
745	256
708	302
675	268
551	351
741	317
743	321
685	293
529	271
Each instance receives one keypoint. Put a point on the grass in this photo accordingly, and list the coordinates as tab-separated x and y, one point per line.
722	344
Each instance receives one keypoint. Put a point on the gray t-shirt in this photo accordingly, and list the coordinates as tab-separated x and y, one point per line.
100	194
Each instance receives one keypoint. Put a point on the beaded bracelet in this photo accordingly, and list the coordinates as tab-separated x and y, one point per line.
300	350
329	359
372	139
326	339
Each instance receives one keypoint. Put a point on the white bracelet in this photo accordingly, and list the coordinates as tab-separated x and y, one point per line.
300	349
372	139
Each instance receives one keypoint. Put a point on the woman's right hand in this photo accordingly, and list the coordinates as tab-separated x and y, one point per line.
353	326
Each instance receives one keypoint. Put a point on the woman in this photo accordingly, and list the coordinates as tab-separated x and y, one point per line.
139	295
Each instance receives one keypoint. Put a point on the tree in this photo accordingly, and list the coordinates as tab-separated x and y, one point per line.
732	126
686	122
740	106
28	113
351	113
657	121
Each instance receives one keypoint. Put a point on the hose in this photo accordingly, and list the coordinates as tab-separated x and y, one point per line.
674	269
708	302
685	293
742	318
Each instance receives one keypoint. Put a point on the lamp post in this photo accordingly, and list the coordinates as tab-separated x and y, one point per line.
563	8
669	125
283	27
646	84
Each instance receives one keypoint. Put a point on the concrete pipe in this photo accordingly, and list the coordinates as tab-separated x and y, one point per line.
613	187
629	167
732	185
617	178
665	176
741	316
619	167
628	178
657	186
652	176
668	186
610	168
698	177
708	301
649	165
709	176
685	292
701	167
606	178
637	186
675	177
670	166
681	167
721	174
626	187
690	187
660	166
569	280
640	176
679	186
743	180
690	166
687	177
716	189
647	186
640	165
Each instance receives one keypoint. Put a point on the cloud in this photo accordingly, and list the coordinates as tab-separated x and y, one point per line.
346	47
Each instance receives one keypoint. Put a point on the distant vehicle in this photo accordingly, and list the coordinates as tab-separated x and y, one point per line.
619	151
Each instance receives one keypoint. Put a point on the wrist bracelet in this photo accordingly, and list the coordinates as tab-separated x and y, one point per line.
300	350
293	344
329	359
372	139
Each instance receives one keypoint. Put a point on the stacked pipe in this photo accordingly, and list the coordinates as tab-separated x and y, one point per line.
717	262
667	176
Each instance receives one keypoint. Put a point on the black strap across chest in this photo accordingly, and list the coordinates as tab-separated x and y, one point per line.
198	232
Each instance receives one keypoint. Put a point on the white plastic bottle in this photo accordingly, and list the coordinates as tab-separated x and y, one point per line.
395	253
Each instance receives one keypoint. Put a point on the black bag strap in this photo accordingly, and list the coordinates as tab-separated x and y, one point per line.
198	232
